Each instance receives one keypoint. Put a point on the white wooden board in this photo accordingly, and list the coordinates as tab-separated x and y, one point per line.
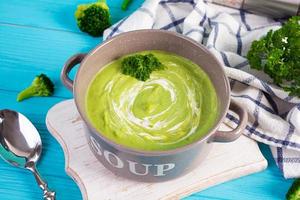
225	162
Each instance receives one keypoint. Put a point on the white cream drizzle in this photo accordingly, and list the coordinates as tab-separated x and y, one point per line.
121	109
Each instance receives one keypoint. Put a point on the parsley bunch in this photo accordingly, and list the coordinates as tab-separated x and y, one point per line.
140	66
278	55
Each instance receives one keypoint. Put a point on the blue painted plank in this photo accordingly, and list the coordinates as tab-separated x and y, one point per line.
57	15
26	52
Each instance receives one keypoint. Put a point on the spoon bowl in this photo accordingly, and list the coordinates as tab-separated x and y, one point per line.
21	145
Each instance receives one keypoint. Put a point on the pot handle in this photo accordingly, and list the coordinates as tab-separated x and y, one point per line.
71	62
229	136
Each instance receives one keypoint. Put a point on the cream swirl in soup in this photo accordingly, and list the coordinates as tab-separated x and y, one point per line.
175	107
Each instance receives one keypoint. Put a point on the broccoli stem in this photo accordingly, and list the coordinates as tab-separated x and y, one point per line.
27	93
125	4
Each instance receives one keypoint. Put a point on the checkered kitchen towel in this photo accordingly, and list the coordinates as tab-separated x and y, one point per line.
274	117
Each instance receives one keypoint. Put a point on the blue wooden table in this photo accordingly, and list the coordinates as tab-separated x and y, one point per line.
38	36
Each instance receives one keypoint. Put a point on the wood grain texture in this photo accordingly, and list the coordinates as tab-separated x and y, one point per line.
225	162
38	36
54	15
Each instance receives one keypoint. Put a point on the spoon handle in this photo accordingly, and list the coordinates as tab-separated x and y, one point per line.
47	193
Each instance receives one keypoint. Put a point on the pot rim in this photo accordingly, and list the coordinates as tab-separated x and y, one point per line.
133	151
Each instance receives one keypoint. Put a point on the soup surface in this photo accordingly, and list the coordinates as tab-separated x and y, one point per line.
173	108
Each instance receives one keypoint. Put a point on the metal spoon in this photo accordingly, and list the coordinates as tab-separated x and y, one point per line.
21	145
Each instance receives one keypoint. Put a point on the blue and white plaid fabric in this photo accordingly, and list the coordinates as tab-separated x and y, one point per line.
274	117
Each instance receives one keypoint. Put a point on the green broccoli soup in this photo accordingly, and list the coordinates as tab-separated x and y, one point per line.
172	108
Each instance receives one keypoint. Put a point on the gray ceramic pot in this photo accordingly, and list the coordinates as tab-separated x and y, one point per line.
155	165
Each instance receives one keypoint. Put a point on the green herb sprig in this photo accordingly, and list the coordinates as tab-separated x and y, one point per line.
294	191
278	55
125	4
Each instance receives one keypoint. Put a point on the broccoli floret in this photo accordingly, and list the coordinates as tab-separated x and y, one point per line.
140	66
294	191
93	18
40	86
